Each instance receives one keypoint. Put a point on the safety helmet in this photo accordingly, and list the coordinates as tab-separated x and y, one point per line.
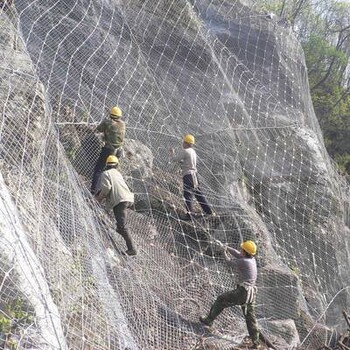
189	139
116	112
112	160
249	247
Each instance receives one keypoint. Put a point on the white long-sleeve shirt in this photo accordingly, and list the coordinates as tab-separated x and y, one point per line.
188	160
114	188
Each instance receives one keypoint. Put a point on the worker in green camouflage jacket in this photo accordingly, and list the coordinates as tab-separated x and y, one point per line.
113	130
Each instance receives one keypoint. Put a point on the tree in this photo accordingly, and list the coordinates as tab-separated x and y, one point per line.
323	28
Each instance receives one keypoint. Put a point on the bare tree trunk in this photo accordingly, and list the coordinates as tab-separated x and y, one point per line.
298	7
340	42
282	8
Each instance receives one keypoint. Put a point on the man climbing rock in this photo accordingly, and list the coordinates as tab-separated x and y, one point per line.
245	293
118	197
113	129
188	160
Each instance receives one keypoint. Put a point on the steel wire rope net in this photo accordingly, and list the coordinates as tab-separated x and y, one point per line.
231	76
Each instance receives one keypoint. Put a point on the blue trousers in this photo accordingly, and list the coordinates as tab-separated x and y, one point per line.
189	191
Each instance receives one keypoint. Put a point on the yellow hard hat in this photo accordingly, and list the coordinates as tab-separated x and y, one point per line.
112	160
249	247
189	139
116	112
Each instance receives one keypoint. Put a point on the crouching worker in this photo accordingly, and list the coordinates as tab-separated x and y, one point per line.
118	197
245	293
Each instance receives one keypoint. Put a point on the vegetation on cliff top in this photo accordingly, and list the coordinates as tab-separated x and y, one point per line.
323	27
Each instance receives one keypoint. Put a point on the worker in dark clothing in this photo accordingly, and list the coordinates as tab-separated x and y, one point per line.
188	160
245	293
113	130
118	197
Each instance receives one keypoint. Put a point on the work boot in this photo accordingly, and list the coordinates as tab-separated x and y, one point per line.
185	217
205	321
210	214
129	244
131	252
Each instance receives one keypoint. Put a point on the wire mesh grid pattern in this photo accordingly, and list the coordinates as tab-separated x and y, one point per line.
216	69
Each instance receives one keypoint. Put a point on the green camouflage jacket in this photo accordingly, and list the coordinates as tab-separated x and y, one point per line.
114	132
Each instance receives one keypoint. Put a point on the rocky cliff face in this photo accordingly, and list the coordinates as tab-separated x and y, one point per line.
238	82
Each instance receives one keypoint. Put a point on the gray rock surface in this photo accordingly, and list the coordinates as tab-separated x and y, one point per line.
287	330
212	68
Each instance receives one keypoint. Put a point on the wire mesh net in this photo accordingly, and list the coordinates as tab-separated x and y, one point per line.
231	76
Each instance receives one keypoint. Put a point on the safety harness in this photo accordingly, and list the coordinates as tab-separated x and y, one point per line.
194	179
251	294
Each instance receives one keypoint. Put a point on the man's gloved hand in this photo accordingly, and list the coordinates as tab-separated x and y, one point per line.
218	243
223	247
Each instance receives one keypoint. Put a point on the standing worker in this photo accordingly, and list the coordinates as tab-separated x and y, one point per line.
113	130
188	160
118	197
245	293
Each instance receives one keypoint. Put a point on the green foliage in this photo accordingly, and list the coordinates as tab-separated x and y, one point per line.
5	324
13	314
319	54
331	102
11	317
332	107
343	161
269	6
324	31
295	270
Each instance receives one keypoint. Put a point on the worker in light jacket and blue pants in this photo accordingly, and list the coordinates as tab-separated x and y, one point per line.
188	160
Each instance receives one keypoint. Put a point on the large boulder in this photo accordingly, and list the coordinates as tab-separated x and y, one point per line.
217	69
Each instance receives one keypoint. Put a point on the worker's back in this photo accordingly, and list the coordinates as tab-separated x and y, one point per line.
114	187
114	132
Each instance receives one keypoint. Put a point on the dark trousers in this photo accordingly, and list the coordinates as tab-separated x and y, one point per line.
121	217
100	165
189	191
237	297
